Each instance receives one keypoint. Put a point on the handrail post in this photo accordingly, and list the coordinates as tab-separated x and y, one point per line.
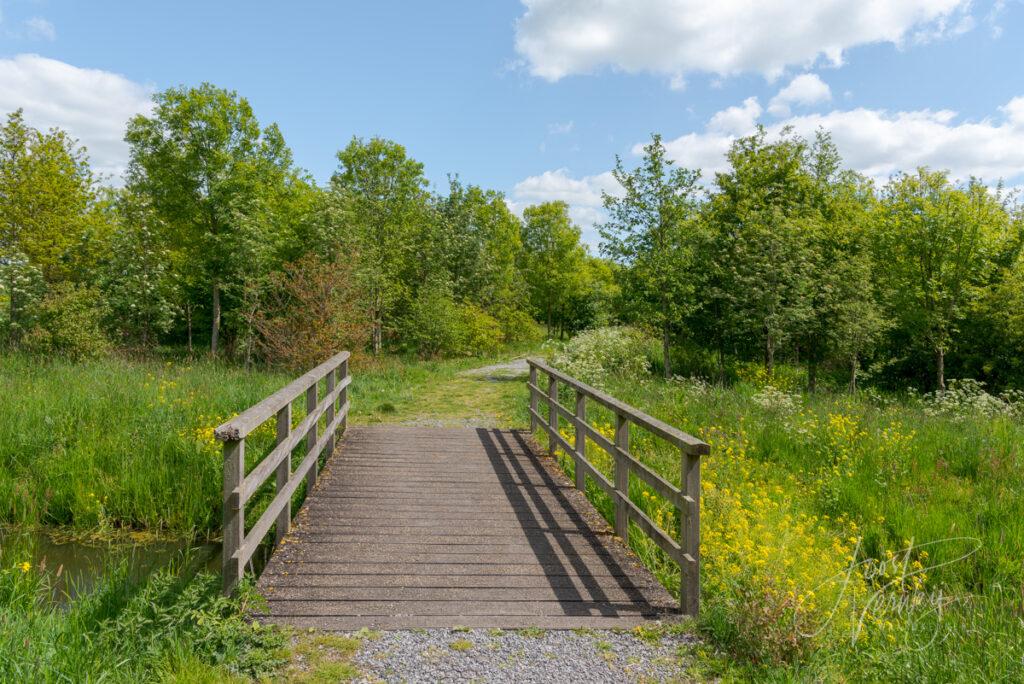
621	476
343	396
689	535
284	473
581	441
533	399
552	413
314	429
234	513
329	447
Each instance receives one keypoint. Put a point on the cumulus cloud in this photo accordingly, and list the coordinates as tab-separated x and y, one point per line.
805	89
877	143
557	38
559	128
91	104
40	28
583	195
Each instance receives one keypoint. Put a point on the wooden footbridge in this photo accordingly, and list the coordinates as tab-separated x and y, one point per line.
410	527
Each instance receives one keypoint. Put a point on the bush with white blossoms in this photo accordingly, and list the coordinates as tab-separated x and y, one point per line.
595	355
967	398
777	401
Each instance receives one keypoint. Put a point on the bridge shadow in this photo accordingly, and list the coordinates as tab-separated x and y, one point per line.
557	544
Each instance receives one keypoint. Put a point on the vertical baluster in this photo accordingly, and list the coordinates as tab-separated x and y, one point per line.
689	535
343	397
283	472
552	413
234	512
533	398
330	415
621	476
314	429
581	441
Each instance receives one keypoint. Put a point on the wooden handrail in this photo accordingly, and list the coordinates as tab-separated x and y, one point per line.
686	499
239	547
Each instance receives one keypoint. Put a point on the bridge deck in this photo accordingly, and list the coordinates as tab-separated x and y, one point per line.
422	527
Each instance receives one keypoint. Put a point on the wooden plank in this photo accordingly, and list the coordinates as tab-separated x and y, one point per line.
283	473
384	622
250	419
234	514
671	434
621	476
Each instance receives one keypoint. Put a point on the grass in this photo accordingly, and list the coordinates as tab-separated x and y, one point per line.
843	537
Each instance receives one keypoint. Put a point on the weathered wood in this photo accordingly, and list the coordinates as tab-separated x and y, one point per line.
311	401
673	435
690	535
283	473
621	476
553	435
511	544
250	419
533	398
234	512
329	414
685	498
581	441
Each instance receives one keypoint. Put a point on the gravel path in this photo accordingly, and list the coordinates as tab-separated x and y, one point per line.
510	370
442	655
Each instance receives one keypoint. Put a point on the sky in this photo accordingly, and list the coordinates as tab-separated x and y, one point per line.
535	98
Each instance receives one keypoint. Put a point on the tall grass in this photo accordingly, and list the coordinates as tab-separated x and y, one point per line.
843	536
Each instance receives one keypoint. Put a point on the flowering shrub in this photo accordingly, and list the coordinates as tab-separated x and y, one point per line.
596	354
967	398
776	400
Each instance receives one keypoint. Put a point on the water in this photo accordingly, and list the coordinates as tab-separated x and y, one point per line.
76	567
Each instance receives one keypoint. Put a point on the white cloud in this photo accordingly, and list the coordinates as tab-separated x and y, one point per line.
40	28
879	143
583	195
805	89
92	105
557	38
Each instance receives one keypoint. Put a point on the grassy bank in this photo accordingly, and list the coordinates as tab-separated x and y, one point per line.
844	537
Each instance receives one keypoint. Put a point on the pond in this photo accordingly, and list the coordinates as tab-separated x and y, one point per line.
77	567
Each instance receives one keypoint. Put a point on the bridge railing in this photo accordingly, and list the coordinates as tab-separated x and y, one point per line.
239	487
686	499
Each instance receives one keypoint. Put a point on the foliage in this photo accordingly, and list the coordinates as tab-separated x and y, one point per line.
553	262
650	231
128	632
67	323
599	354
311	310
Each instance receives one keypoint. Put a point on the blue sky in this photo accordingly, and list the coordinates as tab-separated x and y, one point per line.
536	98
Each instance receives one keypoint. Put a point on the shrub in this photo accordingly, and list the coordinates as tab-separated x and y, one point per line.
595	355
517	326
478	332
312	310
967	398
439	326
67	322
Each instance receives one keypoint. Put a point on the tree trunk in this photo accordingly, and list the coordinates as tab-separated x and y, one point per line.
377	335
769	354
940	368
215	327
13	319
665	345
812	376
721	362
853	373
188	321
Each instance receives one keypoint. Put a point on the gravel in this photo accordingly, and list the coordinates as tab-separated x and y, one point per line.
510	370
478	655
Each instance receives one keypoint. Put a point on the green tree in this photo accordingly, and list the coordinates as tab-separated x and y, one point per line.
210	173
379	211
48	209
553	261
938	243
650	233
762	217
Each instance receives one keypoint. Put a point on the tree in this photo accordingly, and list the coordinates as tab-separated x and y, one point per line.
553	261
762	218
379	209
48	207
938	242
649	232
208	171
